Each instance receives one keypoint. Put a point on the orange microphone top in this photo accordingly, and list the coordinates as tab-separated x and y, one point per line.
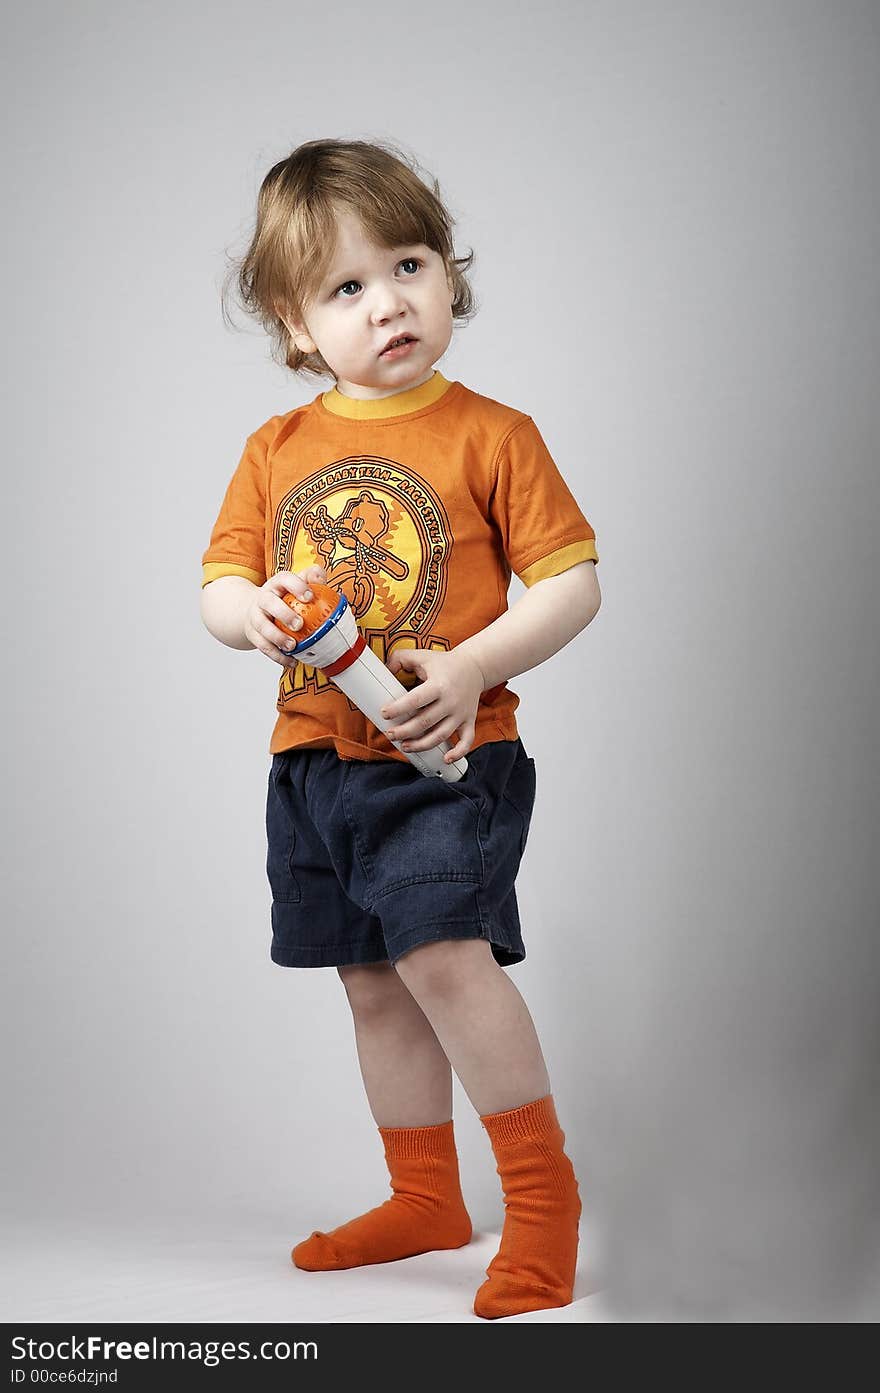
313	613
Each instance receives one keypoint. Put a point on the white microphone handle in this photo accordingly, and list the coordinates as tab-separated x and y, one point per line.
370	685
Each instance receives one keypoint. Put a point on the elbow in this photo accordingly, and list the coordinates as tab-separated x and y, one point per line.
589	615
577	592
592	596
203	615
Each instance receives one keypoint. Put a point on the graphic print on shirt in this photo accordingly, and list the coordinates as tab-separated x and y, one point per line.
384	538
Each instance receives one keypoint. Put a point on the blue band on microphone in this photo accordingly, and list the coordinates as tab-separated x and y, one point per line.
324	629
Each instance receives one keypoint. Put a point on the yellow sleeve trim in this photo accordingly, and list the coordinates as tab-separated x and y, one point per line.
214	569
559	561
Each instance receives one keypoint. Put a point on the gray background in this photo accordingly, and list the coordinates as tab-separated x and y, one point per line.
674	209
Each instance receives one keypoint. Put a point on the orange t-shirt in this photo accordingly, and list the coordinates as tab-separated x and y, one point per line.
418	506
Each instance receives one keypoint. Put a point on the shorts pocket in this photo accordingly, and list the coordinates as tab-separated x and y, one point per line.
519	792
281	834
408	829
468	786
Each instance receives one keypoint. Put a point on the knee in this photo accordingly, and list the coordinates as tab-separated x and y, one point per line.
369	986
436	970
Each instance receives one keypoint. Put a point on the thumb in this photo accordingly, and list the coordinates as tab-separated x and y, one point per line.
460	747
403	658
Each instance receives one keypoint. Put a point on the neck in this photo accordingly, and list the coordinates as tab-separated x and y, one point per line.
357	392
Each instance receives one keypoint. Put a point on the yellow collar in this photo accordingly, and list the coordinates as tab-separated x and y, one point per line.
399	404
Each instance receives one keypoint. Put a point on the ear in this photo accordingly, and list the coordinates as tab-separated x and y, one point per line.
299	334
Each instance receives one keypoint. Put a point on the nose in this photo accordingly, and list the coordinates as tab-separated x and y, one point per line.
387	304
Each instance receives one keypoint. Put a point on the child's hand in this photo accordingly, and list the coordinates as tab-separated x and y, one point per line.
268	605
445	702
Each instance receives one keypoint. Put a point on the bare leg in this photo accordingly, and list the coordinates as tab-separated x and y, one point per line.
409	1088
483	1024
406	1075
481	1021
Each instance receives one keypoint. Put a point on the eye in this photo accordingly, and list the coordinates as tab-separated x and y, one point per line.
407	261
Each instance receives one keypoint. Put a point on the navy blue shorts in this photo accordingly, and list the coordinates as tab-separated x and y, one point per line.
369	858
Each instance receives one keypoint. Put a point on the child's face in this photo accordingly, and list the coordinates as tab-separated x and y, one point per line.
370	295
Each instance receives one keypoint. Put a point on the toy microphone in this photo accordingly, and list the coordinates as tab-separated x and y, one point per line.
334	643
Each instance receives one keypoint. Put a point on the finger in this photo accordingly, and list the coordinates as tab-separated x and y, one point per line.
271	650
399	709
274	614
289	583
280	648
282	640
426	736
434	737
282	612
412	724
282	582
408	658
461	747
420	697
408	708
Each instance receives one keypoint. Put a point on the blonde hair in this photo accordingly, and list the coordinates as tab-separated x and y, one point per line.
295	235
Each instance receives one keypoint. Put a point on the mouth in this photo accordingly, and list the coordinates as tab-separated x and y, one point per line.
398	344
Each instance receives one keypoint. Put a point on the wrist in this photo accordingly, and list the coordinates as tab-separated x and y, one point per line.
225	606
467	650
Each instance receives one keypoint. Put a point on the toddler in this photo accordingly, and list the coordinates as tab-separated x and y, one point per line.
417	497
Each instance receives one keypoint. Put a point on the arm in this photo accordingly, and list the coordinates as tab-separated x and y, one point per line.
543	620
224	604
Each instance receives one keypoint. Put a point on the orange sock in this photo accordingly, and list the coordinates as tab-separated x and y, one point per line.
425	1212
534	1268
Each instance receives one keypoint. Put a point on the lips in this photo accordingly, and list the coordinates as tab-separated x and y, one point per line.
406	338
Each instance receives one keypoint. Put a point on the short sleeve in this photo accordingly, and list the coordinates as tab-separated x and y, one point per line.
238	540
543	529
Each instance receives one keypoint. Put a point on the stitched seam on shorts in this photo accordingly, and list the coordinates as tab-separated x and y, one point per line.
523	821
428	923
280	869
314	947
432	878
479	808
507	798
363	856
352	824
480	813
335	954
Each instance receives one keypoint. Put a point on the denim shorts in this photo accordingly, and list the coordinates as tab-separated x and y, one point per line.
369	858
